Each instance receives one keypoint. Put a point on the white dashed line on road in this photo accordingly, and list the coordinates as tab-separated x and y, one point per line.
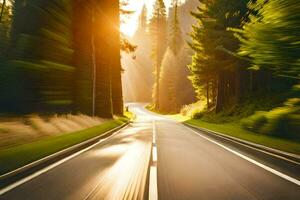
153	193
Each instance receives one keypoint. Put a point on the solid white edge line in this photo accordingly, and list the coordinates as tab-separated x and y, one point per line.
284	176
246	145
46	169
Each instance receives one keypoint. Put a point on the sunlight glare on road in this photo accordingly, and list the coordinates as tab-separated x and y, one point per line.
126	159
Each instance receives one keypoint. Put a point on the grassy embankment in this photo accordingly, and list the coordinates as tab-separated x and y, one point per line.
236	130
18	156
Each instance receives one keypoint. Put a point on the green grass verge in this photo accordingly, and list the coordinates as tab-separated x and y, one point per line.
18	156
235	130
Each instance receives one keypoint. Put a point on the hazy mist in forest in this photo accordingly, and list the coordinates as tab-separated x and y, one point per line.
138	73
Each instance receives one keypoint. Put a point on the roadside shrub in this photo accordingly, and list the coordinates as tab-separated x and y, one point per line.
282	121
294	125
196	114
255	122
277	120
193	110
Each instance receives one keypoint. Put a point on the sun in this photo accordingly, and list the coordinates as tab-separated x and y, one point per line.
129	27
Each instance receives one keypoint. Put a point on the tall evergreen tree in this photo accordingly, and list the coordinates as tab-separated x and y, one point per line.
143	18
108	73
158	31
176	39
211	64
175	88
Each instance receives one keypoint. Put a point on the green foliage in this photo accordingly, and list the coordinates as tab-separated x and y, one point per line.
209	63
281	121
270	41
188	110
254	122
49	52
271	37
196	114
38	70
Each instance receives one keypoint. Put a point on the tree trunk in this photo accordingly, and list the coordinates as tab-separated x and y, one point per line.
157	90
158	62
220	92
207	93
251	81
117	95
83	56
103	39
237	86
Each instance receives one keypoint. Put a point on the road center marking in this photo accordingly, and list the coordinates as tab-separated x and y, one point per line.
284	176
153	184
153	194
154	154
154	132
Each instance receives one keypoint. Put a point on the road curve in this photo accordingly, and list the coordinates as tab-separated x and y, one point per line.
184	164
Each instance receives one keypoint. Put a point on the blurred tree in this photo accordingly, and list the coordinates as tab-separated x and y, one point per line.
3	6
41	54
5	27
271	39
64	56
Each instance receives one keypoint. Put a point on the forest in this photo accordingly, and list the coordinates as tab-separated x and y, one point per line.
150	99
246	64
53	60
220	61
237	59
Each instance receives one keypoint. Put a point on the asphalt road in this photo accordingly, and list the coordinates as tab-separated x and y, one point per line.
167	159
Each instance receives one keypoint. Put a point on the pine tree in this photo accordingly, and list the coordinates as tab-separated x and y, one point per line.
143	18
158	29
210	36
176	89
176	40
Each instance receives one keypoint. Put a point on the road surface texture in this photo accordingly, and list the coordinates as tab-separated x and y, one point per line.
156	158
